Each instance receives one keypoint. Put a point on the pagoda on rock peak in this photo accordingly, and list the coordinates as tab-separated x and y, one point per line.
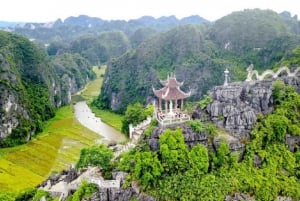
172	96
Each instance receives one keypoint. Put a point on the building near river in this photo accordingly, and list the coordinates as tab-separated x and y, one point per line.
172	97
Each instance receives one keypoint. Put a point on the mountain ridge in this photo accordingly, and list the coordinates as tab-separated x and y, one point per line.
198	54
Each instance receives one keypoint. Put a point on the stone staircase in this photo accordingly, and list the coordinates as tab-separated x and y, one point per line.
135	135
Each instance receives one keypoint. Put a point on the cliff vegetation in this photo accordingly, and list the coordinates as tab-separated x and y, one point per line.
33	85
267	169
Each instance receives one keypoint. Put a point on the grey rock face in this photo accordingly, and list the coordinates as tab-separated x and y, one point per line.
191	137
245	197
257	161
236	105
117	194
12	106
234	143
71	175
293	142
239	197
112	194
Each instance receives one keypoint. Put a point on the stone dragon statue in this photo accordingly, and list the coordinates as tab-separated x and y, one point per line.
252	72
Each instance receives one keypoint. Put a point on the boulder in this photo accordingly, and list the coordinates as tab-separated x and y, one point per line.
293	142
191	137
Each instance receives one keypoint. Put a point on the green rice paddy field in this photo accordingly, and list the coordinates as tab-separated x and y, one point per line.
91	91
55	148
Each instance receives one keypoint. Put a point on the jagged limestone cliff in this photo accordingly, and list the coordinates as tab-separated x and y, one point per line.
235	107
32	86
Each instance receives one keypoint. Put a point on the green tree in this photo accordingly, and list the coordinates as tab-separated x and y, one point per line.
196	126
147	168
205	101
223	154
293	59
278	125
211	129
134	114
26	195
97	155
198	159
278	91
173	151
7	197
85	190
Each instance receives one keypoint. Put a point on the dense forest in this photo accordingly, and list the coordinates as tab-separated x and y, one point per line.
42	65
176	172
198	54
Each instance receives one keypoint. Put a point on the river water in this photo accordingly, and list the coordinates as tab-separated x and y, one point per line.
88	119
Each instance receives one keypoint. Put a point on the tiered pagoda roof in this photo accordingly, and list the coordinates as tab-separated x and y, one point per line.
171	90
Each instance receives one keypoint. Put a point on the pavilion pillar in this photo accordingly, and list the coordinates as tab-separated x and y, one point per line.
171	107
159	104
166	106
181	104
176	104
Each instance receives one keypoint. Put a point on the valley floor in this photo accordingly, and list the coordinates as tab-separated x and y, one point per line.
53	150
56	147
87	118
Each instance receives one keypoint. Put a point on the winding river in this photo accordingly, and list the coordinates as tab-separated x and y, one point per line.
88	119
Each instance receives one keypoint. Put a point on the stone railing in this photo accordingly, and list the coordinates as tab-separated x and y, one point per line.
140	126
164	118
174	120
124	148
105	183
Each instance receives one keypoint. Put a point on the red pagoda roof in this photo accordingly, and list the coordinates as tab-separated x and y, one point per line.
171	90
171	82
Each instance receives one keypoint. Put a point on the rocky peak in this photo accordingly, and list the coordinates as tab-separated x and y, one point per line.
235	106
191	137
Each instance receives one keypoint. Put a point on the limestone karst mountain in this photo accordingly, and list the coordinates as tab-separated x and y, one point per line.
198	55
32	86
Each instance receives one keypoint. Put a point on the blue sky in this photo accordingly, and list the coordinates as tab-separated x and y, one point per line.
50	10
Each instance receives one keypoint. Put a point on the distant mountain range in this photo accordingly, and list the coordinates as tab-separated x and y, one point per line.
10	25
73	27
86	21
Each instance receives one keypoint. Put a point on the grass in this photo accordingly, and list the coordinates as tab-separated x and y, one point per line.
91	91
109	117
54	149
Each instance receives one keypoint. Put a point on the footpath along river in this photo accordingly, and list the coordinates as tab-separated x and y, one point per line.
88	119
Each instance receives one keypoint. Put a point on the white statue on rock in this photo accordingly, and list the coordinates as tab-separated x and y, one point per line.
226	73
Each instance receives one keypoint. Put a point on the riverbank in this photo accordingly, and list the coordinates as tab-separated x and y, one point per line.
109	117
88	119
57	146
91	91
53	150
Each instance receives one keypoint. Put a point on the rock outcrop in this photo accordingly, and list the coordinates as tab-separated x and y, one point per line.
234	144
116	194
32	85
239	197
64	184
236	106
293	142
191	137
244	197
